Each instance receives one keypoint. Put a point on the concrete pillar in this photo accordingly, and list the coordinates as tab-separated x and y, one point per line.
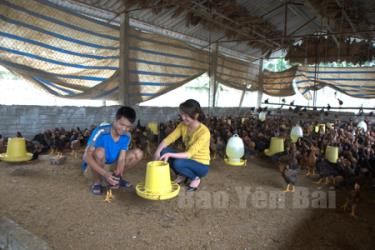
212	74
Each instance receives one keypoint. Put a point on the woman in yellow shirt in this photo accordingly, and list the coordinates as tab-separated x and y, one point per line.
193	163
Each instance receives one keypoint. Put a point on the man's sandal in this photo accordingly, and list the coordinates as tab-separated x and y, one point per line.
124	183
97	189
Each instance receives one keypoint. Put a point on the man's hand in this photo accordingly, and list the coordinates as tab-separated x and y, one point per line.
112	179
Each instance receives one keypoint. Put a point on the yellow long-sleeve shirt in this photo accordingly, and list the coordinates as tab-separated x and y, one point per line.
197	144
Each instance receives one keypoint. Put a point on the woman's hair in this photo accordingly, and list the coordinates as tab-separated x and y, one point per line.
191	107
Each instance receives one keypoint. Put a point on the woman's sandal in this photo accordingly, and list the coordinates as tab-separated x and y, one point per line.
194	184
191	189
186	182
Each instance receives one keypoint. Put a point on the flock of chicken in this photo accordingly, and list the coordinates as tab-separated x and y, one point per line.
356	161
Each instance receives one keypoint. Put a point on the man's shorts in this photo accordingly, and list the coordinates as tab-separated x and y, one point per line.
87	171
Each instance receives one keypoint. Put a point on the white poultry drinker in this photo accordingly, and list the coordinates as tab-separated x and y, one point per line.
235	150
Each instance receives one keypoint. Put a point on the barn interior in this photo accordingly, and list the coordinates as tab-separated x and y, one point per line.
303	75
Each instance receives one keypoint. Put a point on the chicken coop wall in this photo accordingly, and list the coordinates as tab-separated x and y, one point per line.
30	120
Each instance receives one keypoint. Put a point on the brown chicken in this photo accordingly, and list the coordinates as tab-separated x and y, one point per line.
220	147
75	146
58	143
353	199
213	148
311	161
289	169
303	160
2	145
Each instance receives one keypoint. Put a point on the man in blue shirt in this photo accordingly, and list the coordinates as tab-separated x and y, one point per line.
109	145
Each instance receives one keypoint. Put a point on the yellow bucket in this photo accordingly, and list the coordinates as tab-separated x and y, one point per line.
276	146
332	154
153	126
320	126
158	184
16	151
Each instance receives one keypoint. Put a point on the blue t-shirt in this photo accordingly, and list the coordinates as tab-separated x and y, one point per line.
101	138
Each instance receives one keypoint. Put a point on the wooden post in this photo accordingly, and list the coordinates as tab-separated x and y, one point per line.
243	96
124	62
260	83
245	88
285	22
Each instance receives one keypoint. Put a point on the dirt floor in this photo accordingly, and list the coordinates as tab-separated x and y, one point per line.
54	203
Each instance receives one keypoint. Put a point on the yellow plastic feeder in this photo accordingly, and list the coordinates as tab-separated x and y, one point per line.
158	184
332	154
16	151
153	126
276	146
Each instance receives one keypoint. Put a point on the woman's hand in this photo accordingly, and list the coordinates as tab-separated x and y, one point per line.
165	157
161	146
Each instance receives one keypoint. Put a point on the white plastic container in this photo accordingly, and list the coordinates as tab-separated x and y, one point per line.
235	149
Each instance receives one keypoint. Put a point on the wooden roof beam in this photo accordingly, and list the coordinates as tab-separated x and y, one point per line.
268	43
316	13
347	18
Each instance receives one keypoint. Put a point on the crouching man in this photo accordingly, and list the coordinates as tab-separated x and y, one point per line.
107	154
